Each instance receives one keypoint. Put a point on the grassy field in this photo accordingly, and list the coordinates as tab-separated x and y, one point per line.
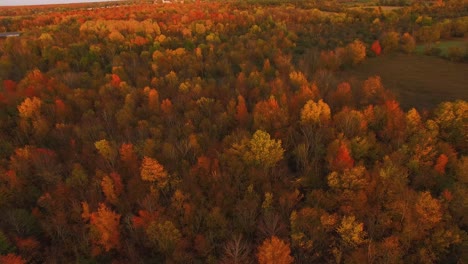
418	81
445	45
384	9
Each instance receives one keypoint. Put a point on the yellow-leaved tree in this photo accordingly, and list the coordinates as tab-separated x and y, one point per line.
451	118
31	121
107	150
315	113
163	236
355	52
263	151
351	232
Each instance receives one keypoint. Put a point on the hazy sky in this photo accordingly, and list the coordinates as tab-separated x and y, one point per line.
43	2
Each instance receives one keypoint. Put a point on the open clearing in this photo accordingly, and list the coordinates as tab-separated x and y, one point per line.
445	45
417	81
384	9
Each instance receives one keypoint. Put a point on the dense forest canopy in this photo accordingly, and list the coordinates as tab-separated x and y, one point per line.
225	132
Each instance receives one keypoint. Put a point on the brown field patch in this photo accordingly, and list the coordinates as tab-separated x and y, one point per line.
417	81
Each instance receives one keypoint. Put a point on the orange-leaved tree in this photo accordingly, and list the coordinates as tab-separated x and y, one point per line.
112	187
151	170
274	251
104	228
242	115
11	259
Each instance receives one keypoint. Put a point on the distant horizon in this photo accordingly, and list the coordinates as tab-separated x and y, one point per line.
47	2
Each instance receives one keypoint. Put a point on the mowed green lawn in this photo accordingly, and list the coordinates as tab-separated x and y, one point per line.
418	81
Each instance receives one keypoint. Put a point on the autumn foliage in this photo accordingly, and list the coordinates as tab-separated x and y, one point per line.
226	132
153	171
343	159
376	48
11	259
104	229
274	251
